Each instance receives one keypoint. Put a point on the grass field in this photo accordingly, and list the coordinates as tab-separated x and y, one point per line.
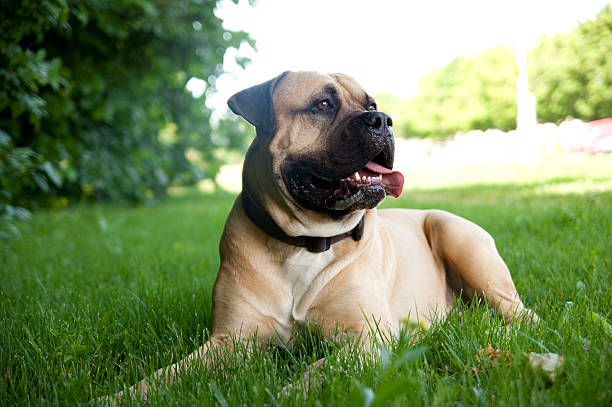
93	298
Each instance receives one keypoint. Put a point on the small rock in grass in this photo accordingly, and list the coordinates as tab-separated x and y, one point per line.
547	363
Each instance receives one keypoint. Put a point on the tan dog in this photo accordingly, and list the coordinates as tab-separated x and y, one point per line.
305	244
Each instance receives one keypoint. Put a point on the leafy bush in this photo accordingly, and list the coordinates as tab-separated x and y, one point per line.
93	102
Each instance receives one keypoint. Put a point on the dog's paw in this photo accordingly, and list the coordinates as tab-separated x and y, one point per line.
309	374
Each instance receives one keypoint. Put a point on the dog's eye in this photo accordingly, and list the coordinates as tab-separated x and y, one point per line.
372	107
323	105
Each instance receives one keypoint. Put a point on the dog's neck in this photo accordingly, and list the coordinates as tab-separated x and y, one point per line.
315	244
262	181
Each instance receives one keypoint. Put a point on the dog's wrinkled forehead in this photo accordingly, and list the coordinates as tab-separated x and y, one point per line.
299	89
293	92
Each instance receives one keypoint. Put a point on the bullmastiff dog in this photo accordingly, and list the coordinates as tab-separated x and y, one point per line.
305	244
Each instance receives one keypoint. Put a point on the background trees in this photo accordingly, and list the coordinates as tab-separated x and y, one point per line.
468	93
93	101
570	74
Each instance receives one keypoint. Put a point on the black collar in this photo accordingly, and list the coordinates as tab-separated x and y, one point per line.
314	244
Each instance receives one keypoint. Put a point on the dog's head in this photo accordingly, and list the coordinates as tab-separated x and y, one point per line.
329	149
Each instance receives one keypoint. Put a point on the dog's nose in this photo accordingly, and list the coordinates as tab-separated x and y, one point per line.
378	121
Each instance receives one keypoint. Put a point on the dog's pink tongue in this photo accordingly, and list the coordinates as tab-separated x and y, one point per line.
392	180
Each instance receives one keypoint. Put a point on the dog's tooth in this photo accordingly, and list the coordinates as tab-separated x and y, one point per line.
380	176
357	176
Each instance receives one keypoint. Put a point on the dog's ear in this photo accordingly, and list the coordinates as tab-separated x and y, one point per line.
255	104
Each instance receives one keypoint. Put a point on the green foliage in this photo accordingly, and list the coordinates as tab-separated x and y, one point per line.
231	137
234	134
17	164
93	102
467	94
571	74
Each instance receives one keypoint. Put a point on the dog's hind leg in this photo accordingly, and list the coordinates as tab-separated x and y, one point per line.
470	257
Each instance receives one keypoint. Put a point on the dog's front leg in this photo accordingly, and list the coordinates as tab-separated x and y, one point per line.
314	373
311	372
363	342
207	354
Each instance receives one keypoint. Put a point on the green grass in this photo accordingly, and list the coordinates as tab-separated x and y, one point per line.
94	298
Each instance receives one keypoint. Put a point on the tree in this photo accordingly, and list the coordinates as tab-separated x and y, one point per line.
571	74
93	101
467	94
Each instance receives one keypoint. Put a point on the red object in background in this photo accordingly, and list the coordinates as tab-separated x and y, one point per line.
601	133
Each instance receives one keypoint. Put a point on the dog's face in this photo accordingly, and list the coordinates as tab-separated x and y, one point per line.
331	149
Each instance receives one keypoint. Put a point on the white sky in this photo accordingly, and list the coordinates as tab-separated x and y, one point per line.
386	45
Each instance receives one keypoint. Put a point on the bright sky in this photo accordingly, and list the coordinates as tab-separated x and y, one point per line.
386	45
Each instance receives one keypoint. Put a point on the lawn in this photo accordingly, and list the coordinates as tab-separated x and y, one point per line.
94	298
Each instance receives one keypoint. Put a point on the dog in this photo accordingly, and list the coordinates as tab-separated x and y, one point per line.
304	243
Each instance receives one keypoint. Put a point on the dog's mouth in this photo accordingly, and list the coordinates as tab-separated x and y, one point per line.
375	175
362	188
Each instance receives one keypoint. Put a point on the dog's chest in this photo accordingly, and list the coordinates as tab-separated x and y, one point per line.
306	274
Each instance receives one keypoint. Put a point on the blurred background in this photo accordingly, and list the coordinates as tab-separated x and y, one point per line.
125	100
